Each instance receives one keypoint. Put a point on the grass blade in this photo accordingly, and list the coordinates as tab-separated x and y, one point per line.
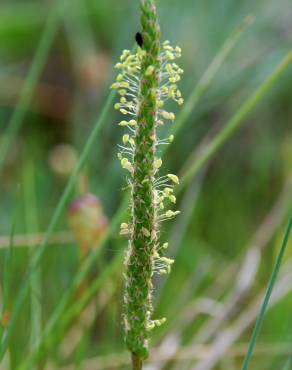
7	280
31	218
26	95
266	299
47	339
237	119
57	213
209	75
288	365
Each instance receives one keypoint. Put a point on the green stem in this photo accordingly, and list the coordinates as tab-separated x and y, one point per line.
31	216
28	89
267	297
136	362
139	262
35	261
209	75
236	120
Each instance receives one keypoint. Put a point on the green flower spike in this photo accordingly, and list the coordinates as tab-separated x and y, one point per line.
146	80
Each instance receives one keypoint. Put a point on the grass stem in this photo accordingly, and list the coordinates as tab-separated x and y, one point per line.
136	362
27	91
267	297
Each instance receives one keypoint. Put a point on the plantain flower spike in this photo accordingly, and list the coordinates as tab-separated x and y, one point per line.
147	79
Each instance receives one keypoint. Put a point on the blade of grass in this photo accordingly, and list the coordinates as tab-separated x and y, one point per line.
57	213
7	279
76	309
8	287
267	297
288	364
237	119
31	218
63	304
209	75
27	91
278	213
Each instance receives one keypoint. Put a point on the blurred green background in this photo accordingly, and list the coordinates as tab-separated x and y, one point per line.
233	212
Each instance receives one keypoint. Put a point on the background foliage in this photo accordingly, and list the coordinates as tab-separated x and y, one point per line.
233	212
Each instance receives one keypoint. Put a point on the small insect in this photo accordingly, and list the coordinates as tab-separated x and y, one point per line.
139	39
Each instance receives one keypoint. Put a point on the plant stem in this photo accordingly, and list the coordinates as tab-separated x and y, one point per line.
34	73
139	261
39	253
267	297
237	119
136	362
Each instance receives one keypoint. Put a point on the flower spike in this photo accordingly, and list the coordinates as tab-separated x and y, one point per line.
146	80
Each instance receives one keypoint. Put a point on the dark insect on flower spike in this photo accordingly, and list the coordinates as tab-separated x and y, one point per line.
139	39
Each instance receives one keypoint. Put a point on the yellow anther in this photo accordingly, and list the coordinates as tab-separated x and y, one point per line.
157	163
124	123
169	55
167	191
149	71
168	115
169	261
172	198
171	213
173	178
124	84
127	165
115	85
125	138
125	54
145	232
169	69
